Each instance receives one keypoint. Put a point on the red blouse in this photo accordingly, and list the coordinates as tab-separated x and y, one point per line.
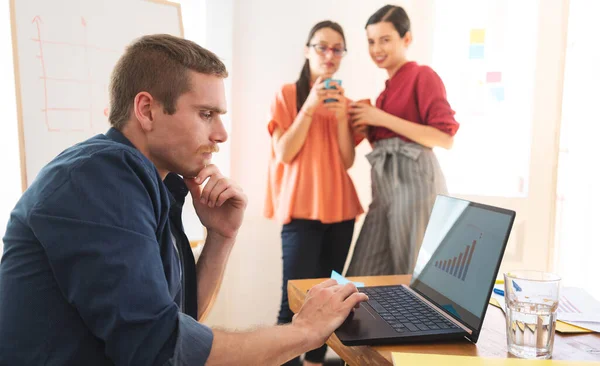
417	94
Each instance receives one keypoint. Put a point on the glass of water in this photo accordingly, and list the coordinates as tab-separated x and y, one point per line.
531	305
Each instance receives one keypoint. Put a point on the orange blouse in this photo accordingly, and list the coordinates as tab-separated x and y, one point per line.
315	185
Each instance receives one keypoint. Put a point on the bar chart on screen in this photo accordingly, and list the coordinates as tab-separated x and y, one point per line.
458	266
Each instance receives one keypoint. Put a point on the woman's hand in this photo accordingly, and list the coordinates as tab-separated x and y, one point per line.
362	114
317	95
340	108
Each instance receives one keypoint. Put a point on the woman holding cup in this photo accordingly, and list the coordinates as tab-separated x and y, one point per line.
309	191
411	116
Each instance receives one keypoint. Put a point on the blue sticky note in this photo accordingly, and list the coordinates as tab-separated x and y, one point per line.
497	93
343	280
476	51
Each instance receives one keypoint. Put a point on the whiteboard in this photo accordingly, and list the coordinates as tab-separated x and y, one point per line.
64	52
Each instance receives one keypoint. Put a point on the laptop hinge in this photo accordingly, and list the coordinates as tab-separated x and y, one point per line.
437	308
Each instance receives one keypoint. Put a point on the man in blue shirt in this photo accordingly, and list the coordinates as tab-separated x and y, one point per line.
97	269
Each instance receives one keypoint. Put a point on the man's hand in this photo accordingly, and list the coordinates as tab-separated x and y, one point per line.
326	307
220	205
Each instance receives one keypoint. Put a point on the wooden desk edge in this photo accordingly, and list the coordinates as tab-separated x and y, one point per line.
363	355
583	347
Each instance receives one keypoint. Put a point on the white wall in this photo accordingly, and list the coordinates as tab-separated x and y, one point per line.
578	197
268	40
10	184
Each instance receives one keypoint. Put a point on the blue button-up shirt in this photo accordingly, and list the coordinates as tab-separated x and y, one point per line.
91	273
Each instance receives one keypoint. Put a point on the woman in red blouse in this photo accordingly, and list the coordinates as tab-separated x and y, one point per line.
412	115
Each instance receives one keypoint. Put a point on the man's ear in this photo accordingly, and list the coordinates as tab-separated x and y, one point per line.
142	109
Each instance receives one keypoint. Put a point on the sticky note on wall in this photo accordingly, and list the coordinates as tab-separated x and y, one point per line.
477	36
493	77
497	93
476	51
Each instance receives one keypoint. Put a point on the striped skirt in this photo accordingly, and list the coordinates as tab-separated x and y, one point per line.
405	179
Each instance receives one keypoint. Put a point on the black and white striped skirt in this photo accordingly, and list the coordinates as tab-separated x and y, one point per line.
405	180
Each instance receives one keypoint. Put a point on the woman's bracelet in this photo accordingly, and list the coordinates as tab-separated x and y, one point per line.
303	111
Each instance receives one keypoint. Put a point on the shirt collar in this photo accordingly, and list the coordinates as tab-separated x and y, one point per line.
118	136
176	187
174	183
396	77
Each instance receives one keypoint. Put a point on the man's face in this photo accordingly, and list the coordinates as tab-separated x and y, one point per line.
183	143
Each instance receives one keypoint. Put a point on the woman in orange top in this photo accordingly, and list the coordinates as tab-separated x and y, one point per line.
309	190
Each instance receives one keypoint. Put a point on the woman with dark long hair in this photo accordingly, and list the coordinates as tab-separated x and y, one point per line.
309	190
411	116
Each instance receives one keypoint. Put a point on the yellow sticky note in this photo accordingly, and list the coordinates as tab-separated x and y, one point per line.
563	327
415	359
477	36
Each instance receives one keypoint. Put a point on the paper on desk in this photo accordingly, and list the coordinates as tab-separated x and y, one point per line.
499	298
594	327
343	280
415	359
561	327
579	308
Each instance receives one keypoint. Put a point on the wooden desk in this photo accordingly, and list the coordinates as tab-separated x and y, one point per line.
491	343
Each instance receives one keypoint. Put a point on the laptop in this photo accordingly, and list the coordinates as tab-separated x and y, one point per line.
451	284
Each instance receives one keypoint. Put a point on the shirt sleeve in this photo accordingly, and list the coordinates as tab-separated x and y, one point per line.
434	108
283	110
99	232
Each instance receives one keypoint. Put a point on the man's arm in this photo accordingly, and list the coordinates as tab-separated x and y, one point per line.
327	306
209	271
220	206
106	261
268	346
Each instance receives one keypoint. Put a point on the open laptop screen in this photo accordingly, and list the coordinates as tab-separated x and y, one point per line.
460	256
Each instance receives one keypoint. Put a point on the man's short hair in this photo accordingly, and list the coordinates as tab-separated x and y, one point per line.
158	64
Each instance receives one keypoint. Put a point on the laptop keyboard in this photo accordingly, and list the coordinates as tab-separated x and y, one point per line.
404	311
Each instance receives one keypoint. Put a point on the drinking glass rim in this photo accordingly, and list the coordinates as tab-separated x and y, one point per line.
522	275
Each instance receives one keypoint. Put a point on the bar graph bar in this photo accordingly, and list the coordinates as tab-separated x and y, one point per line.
469	260
462	269
458	266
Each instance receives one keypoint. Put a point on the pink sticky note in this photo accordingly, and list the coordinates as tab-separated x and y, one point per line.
493	77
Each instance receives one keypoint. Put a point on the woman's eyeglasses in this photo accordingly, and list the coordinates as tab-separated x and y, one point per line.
322	49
